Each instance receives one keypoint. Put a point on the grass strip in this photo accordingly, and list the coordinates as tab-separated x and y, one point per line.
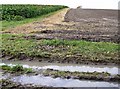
101	76
70	50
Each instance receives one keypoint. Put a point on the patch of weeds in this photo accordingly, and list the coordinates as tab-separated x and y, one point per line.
16	69
5	67
103	52
104	76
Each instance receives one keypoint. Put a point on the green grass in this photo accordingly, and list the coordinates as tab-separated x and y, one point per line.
84	45
17	45
16	69
80	74
12	24
104	76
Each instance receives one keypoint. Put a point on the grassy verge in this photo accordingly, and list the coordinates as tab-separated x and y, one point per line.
16	69
60	50
13	24
102	76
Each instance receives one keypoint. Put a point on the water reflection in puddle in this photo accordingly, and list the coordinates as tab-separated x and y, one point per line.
58	82
113	70
67	67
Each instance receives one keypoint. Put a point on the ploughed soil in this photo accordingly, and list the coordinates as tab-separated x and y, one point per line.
75	24
96	24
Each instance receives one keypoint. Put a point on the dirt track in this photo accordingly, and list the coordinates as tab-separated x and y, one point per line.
86	24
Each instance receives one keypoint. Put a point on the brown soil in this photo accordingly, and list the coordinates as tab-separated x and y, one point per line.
85	24
76	35
97	24
78	15
76	59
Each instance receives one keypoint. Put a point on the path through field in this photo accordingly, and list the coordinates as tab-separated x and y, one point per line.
47	23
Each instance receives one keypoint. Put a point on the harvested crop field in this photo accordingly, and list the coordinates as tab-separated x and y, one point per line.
77	15
78	24
87	24
96	24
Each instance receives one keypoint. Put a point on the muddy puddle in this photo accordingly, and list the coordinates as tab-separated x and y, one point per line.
59	82
67	67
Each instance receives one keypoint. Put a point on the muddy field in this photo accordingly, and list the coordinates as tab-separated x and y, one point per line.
64	65
71	24
79	14
90	25
54	78
86	24
95	24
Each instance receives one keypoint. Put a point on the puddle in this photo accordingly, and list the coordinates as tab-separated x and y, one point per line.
67	67
59	82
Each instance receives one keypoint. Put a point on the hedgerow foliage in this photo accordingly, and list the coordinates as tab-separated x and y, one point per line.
19	12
